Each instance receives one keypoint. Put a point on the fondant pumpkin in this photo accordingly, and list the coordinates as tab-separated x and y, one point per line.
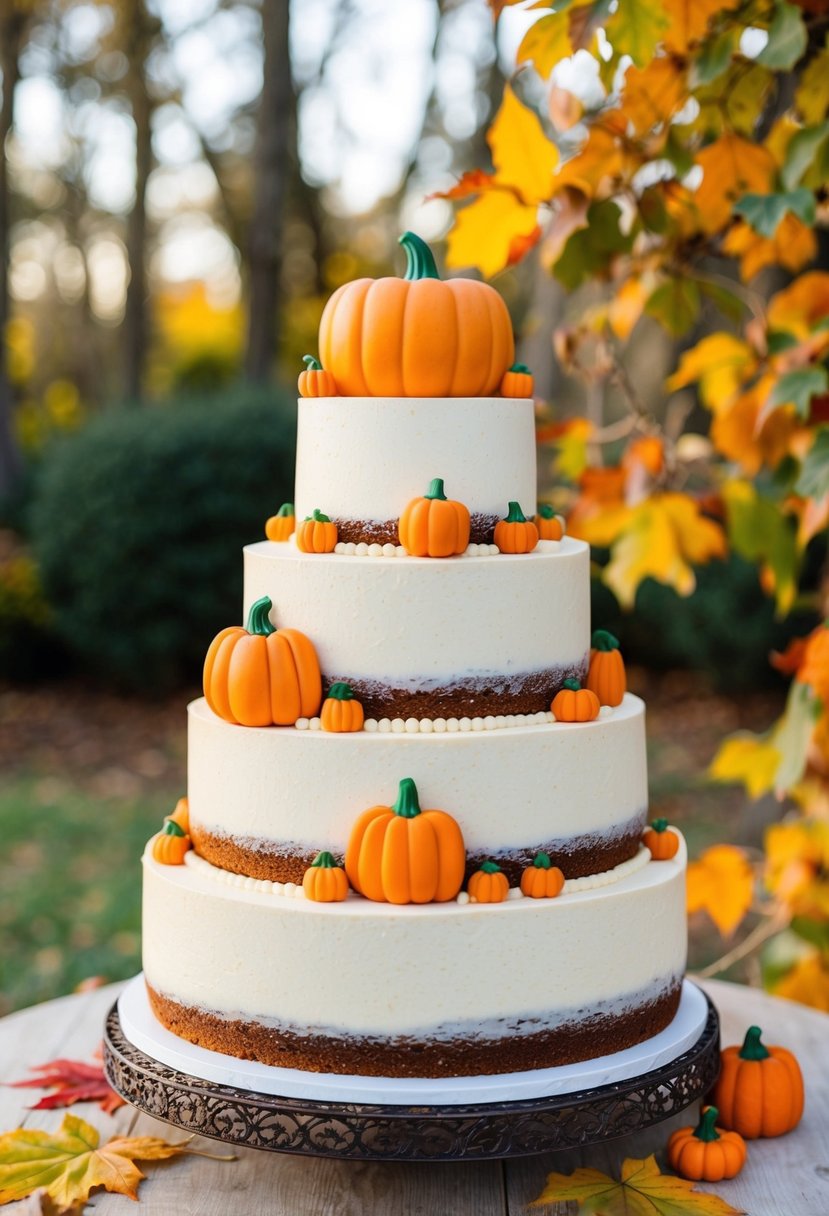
316	534
281	526
181	815
315	381
572	703
760	1089
516	533
416	336
489	884
400	854
542	880
341	711
434	525
170	845
705	1153
661	840
548	523
324	881
606	675
261	676
517	382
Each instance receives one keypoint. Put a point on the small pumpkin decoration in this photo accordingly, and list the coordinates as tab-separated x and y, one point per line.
516	533
416	336
316	534
315	381
324	881
280	527
662	841
542	880
517	382
572	703
341	711
606	674
434	525
181	815
170	845
760	1089
400	854
705	1153
489	884
261	676
550	526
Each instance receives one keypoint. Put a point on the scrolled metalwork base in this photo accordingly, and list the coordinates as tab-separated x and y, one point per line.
410	1133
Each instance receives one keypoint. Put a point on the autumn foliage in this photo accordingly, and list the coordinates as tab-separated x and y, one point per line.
697	158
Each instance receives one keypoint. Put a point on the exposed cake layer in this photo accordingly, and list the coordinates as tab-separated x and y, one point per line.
263	801
361	459
547	981
425	637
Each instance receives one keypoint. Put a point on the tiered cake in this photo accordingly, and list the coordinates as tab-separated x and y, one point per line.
450	666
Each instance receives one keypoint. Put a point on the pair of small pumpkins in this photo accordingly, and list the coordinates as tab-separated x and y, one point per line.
316	534
539	880
606	683
437	526
172	843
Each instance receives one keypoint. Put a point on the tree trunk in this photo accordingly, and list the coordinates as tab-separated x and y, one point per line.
11	37
276	135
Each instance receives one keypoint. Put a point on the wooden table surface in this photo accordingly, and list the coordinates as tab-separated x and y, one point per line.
784	1177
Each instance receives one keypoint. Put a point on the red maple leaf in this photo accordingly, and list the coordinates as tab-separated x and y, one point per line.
72	1081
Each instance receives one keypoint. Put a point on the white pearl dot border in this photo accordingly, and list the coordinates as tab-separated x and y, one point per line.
449	726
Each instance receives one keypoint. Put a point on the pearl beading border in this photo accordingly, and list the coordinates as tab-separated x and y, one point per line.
440	726
362	549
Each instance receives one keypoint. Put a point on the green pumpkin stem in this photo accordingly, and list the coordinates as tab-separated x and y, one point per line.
325	861
171	828
420	264
659	825
490	867
542	861
312	364
522	368
546	511
258	621
707	1129
407	805
341	691
287	508
573	685
436	489
515	515
602	640
318	517
752	1048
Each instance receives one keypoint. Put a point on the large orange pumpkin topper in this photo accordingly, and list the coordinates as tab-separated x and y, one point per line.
434	525
760	1089
606	676
705	1153
401	855
260	676
416	336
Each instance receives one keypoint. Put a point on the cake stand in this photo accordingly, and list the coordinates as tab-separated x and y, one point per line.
451	1128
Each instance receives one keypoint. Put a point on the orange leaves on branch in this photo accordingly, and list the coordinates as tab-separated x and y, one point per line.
652	95
797	865
721	883
731	166
793	245
641	1190
807	982
688	21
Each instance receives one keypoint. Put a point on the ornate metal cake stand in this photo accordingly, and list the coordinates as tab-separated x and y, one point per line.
409	1133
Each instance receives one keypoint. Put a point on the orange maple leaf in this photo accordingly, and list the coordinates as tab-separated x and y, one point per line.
642	1188
721	883
731	166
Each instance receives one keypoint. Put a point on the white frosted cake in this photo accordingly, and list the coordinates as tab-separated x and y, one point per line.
308	908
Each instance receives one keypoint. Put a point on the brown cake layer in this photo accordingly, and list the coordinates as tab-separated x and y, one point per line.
595	1035
384	531
576	858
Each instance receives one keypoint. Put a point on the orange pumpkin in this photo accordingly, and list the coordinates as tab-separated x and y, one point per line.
316	534
315	381
606	674
548	523
341	711
181	815
280	526
324	881
489	884
542	880
170	845
517	382
416	336
434	525
704	1153
572	703
260	676
400	854
516	533
661	840
760	1089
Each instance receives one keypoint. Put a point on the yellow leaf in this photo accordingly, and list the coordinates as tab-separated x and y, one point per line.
721	883
571	449
546	43
749	759
732	166
812	93
642	1190
689	21
522	154
635	29
626	307
807	982
792	246
743	432
484	231
800	307
719	363
652	95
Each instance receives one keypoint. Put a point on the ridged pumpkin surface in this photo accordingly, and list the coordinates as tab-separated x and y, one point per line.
760	1089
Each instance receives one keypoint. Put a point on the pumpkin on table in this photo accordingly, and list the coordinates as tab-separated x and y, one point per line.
316	534
280	527
606	674
489	884
517	382
434	525
706	1153
662	841
170	845
416	336
515	533
315	381
760	1089
550	526
400	854
324	881
572	703
341	711
542	880
260	675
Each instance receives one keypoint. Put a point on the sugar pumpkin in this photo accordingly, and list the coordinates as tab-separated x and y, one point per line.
489	884
662	841
572	703
542	880
434	525
516	533
324	881
170	845
517	381
341	711
705	1153
181	815
316	534
315	381
548	523
280	527
416	336
606	675
759	1091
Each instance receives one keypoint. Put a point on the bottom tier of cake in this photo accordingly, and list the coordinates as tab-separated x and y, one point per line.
252	969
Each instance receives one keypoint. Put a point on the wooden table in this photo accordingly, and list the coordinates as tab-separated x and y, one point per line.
785	1177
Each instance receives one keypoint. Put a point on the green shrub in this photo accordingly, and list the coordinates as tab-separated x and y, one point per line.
138	523
29	649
